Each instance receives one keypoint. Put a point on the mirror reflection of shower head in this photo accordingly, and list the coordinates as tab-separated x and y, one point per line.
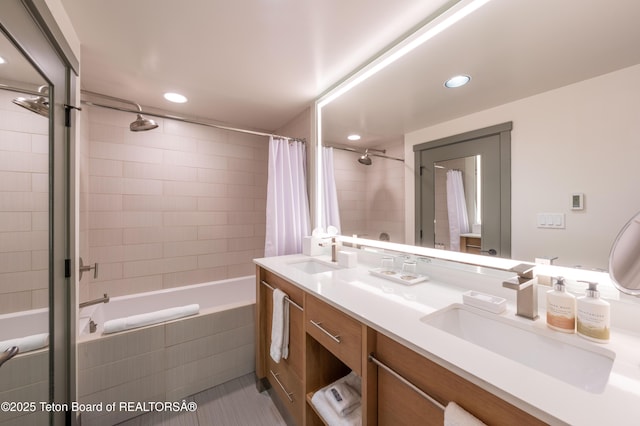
39	104
364	158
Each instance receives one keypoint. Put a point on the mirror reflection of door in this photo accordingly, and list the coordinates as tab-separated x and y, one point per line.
486	201
458	204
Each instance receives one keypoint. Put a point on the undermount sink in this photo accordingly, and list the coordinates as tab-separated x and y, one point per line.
314	266
565	357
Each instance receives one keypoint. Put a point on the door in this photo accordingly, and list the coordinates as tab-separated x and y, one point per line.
492	147
36	295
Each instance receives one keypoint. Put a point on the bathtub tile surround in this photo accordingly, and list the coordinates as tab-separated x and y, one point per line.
178	205
165	362
26	380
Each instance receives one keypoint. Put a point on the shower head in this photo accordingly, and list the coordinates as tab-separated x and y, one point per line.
142	124
365	159
39	104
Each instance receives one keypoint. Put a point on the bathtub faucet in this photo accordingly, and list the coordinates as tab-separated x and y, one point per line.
104	299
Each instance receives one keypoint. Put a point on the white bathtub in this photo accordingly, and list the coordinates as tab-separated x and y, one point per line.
170	360
212	297
24	323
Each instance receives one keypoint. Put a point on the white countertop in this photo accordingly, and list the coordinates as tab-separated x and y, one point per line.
395	310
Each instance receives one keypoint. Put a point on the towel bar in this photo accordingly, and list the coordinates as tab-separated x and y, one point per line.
291	302
419	391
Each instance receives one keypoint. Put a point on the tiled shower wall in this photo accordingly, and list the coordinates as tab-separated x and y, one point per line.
177	205
371	198
24	240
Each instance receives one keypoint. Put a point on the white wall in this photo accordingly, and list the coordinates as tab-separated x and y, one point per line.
580	138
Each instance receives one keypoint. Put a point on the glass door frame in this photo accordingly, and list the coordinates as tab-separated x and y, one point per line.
32	28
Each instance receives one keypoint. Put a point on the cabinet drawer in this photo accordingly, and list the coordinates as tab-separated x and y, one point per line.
339	333
288	387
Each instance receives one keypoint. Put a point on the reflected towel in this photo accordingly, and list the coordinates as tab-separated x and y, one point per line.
342	398
135	321
329	415
279	327
27	343
454	415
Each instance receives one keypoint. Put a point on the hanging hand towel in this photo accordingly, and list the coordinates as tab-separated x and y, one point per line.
454	415
279	327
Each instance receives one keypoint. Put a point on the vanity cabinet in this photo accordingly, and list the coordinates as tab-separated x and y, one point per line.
398	404
325	344
285	377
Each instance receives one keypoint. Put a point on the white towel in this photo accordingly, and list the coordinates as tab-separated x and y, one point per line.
329	415
27	343
135	321
279	326
454	415
342	398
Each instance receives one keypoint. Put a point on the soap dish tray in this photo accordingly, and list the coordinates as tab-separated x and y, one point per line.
399	277
486	302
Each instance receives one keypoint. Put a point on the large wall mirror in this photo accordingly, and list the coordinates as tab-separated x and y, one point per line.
565	74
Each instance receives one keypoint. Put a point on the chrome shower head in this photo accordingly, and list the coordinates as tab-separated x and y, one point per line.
39	104
365	159
142	124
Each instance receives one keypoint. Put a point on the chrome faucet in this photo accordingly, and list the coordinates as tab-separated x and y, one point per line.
103	299
527	291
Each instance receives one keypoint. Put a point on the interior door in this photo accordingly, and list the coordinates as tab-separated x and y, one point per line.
493	146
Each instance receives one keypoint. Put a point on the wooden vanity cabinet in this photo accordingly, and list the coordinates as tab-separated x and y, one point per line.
284	377
325	344
398	404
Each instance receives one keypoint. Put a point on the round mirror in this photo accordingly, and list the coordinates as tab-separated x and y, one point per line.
624	260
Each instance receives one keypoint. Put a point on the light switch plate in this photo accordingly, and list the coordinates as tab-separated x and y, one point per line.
551	220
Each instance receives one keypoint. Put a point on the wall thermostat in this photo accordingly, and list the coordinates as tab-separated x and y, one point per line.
577	201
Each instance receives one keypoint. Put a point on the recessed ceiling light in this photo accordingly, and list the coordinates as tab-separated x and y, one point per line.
2	60
457	81
175	97
353	137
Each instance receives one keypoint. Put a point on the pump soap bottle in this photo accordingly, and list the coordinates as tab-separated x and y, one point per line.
561	308
593	315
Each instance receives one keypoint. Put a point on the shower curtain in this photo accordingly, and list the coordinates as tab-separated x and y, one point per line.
456	208
287	201
331	214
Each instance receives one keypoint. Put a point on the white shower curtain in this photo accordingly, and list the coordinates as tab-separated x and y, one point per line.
287	201
331	213
456	208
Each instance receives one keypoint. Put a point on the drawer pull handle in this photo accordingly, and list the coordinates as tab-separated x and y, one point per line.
413	387
319	325
275	376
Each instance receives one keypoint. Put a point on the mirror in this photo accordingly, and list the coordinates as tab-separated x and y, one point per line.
624	263
569	91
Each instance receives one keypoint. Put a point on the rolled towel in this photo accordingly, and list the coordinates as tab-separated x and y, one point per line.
342	398
454	415
279	327
27	343
141	320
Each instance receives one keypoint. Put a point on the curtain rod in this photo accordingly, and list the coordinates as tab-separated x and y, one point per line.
370	153
183	119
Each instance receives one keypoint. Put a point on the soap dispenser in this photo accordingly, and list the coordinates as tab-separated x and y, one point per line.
561	308
593	315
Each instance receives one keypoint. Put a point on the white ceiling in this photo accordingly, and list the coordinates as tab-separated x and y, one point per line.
259	63
251	63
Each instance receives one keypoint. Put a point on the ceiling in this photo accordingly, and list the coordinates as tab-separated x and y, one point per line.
249	63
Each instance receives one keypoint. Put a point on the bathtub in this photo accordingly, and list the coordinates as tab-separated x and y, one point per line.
26	376
170	360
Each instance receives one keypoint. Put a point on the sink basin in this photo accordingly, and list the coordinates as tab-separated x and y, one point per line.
565	357
313	266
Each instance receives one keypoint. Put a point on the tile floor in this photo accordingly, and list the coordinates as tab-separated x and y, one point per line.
235	403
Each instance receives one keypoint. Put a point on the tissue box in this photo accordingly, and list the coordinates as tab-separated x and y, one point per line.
347	259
